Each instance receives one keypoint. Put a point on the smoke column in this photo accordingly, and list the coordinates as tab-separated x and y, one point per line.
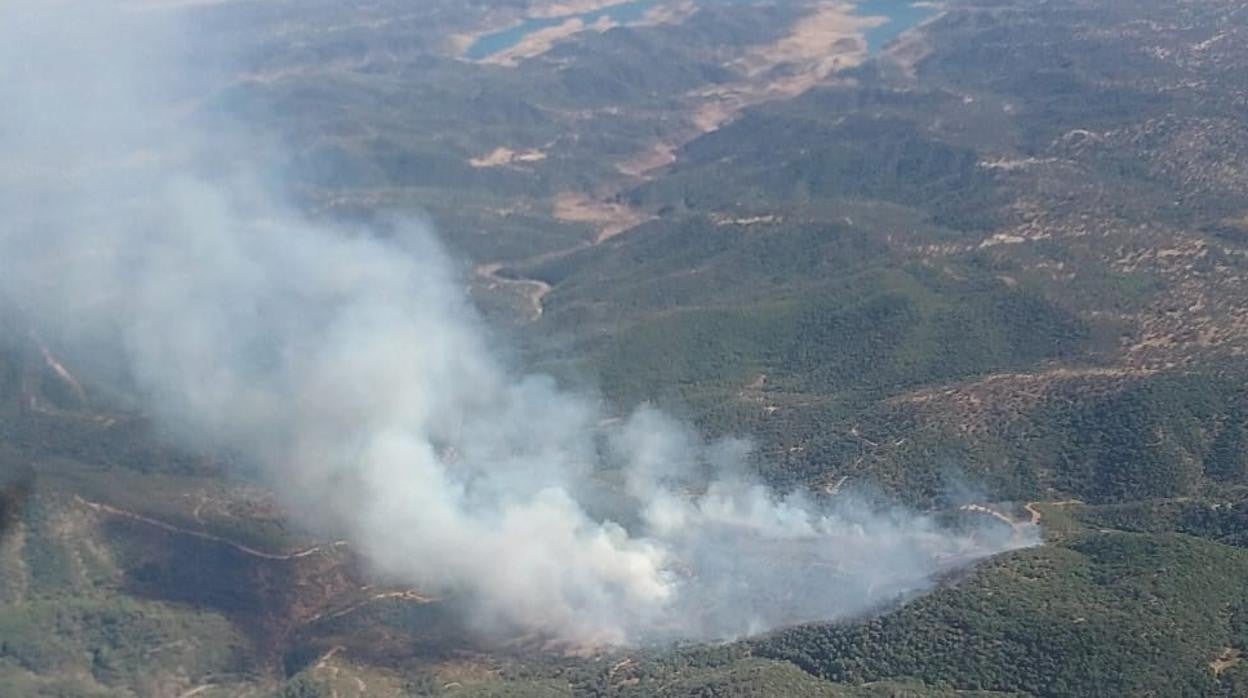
349	366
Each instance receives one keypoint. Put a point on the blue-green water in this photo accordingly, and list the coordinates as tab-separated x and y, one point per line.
902	15
497	42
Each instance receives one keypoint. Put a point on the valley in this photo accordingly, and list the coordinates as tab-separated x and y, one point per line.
985	259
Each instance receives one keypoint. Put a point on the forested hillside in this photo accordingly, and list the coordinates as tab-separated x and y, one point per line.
995	268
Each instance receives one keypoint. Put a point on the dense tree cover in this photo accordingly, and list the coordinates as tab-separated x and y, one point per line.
15	490
118	642
303	686
1167	436
61	616
1227	460
1220	516
1109	614
1148	441
812	156
726	671
811	267
878	332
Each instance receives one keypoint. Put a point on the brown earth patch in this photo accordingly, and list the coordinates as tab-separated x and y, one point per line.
1227	659
502	156
608	218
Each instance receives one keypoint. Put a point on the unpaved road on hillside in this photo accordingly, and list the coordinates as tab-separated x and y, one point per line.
823	43
246	550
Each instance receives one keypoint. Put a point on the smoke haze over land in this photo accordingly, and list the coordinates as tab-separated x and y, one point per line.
347	364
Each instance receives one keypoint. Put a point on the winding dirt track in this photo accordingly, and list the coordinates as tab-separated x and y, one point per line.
409	595
1035	514
818	46
533	290
989	511
246	550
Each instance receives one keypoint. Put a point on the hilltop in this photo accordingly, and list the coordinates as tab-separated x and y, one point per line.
1000	260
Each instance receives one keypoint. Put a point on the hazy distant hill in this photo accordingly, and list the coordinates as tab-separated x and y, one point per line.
1006	254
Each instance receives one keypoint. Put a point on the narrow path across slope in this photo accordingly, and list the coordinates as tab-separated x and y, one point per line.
247	550
1034	513
830	39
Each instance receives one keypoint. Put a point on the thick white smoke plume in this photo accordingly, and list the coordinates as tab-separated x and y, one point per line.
347	363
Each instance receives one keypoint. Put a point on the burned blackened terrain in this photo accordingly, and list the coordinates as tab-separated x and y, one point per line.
998	260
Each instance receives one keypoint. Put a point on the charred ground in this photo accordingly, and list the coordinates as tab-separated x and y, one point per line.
1008	250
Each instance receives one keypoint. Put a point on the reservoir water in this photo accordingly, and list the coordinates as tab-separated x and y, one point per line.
901	14
490	44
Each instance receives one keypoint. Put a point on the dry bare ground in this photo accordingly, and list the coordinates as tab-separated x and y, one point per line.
822	43
542	40
657	156
608	218
1227	659
502	156
827	40
555	9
